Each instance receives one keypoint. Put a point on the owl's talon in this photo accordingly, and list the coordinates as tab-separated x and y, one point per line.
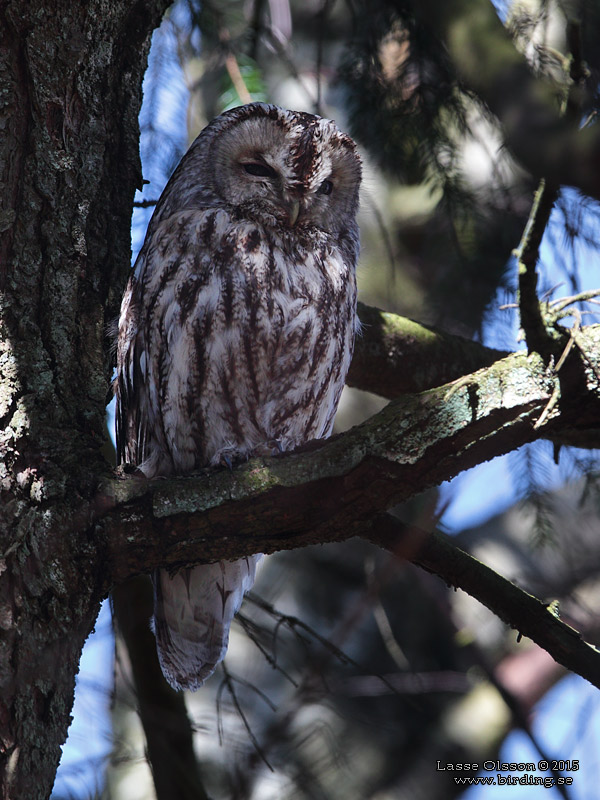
227	462
272	447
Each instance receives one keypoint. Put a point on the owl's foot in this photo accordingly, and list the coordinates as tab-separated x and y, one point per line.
272	447
226	461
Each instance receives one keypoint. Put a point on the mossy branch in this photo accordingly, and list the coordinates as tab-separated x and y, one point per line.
394	355
333	490
327	491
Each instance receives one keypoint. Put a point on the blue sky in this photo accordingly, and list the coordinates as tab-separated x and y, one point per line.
567	723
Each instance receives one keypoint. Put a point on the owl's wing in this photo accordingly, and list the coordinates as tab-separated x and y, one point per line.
160	349
129	382
163	335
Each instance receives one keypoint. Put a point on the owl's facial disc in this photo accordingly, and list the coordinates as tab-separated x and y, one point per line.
286	168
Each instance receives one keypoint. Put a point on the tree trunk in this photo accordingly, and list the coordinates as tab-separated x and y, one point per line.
71	75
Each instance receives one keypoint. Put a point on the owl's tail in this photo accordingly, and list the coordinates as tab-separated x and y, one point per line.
193	610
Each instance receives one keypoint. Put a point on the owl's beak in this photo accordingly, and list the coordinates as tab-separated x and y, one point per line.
293	209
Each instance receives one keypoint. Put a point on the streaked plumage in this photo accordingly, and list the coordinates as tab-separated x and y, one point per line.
236	331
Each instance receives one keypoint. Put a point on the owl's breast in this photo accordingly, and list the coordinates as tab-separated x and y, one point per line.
290	338
249	338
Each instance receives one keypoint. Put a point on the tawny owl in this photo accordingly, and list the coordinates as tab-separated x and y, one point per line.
236	331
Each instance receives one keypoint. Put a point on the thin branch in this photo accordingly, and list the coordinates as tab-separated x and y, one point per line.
162	710
294	623
381	618
527	255
233	68
517	608
287	60
572	336
551	404
563	303
144	203
228	681
252	631
532	319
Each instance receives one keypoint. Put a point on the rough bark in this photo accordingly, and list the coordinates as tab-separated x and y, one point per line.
71	75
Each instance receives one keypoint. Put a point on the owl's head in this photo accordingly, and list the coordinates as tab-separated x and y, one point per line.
286	166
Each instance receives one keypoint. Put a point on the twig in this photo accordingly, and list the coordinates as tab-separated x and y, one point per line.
233	68
551	404
228	682
564	302
289	63
293	623
382	621
250	627
555	396
570	343
527	254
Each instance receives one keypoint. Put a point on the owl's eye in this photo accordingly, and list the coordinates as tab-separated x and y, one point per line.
325	188
259	170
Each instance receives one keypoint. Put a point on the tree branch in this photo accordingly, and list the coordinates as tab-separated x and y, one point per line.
326	491
394	355
527	255
538	334
162	710
522	611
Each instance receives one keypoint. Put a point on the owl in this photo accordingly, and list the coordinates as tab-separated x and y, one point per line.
236	332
